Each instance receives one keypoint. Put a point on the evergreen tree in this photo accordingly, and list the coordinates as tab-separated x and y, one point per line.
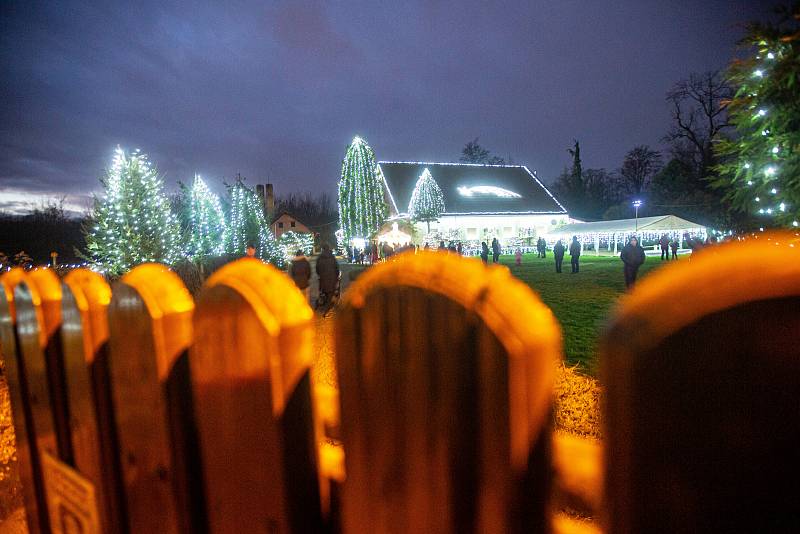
132	222
206	232
362	207
762	162
248	226
427	201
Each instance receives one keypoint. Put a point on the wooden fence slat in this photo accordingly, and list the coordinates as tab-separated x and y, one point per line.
702	372
150	327
250	365
445	372
84	336
38	306
28	457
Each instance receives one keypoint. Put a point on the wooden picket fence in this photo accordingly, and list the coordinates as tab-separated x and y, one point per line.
139	409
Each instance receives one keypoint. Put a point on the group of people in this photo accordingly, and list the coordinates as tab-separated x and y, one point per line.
327	269
496	251
669	244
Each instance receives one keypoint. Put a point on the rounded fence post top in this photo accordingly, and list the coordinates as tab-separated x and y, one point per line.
161	289
275	298
719	276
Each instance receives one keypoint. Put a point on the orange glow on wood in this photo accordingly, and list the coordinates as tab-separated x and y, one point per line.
732	265
10	280
284	314
92	296
508	306
170	306
48	288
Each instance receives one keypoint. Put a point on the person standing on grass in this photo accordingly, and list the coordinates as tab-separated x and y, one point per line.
495	250
575	254
633	257
664	242
518	257
484	252
674	244
558	252
300	271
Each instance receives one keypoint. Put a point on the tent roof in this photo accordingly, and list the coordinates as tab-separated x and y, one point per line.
527	193
665	223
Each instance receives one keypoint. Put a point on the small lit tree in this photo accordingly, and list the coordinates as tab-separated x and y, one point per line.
362	207
206	233
247	225
427	201
132	222
761	165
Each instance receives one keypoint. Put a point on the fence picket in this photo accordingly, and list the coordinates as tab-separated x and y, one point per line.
250	367
84	336
28	457
446	399
150	327
702	394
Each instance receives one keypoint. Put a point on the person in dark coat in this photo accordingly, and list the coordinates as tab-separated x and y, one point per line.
558	252
674	244
575	254
300	271
495	250
633	257
664	242
327	271
484	252
541	248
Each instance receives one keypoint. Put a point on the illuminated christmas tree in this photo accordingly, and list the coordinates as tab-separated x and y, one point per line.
132	222
427	201
362	207
247	225
762	162
206	232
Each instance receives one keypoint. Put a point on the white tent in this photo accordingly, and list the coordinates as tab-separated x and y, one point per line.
609	233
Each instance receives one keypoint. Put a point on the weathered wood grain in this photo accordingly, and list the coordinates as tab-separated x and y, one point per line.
250	366
150	327
445	370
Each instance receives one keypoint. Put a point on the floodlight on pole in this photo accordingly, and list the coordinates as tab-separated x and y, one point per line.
636	204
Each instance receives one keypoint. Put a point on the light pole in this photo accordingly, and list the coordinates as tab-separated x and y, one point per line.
636	204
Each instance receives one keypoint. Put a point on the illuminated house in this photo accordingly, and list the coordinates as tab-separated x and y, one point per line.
481	201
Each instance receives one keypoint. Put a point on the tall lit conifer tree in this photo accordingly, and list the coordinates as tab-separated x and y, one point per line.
427	201
132	222
362	207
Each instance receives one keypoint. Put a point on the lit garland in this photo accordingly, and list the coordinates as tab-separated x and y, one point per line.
427	200
207	226
362	206
248	225
763	161
132	222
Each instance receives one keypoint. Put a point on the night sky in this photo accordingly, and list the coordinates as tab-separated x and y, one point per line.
276	90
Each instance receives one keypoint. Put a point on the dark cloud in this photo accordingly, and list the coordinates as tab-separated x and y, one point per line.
275	91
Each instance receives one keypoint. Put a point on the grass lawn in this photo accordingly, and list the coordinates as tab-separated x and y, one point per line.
581	302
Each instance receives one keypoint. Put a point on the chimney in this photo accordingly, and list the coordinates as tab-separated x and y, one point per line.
269	200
